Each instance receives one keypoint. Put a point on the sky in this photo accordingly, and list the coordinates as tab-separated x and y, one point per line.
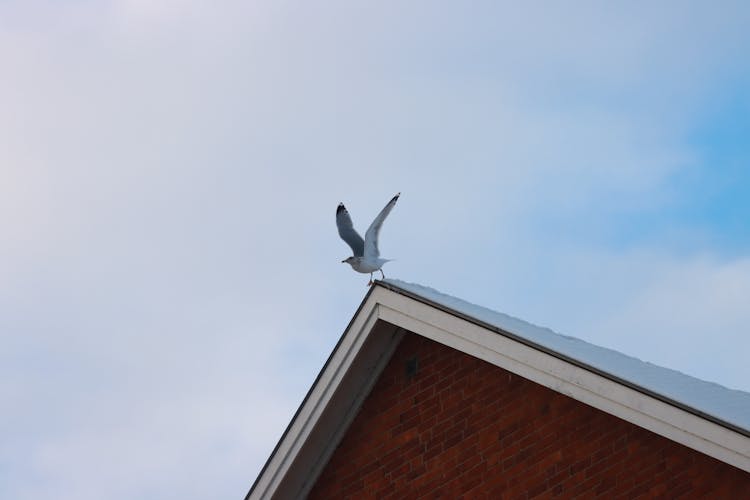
170	273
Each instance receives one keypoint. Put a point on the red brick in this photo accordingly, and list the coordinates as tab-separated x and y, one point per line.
462	428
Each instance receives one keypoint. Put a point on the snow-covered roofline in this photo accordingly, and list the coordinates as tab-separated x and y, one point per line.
727	407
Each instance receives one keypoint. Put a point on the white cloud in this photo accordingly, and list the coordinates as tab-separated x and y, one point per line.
170	279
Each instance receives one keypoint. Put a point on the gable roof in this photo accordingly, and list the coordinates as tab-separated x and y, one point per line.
701	415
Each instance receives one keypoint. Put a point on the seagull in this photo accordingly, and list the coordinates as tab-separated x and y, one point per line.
366	258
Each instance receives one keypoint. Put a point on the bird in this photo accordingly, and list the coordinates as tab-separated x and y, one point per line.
366	258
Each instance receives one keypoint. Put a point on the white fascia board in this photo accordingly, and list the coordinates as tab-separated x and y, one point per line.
564	377
277	474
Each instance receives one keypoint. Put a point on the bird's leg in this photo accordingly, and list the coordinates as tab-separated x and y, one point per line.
382	275
369	283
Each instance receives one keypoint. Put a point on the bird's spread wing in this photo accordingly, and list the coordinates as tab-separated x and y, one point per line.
373	233
347	231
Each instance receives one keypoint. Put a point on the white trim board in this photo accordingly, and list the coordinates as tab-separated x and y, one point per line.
368	344
329	407
566	378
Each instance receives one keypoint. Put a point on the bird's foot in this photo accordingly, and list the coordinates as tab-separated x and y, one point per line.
369	283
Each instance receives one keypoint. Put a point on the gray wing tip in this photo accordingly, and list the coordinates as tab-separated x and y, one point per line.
341	208
395	197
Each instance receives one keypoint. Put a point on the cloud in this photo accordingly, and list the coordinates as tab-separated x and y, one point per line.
170	280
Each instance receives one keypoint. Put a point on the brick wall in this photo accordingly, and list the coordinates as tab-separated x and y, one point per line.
463	427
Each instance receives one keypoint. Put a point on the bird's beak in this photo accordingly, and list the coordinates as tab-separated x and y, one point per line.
343	261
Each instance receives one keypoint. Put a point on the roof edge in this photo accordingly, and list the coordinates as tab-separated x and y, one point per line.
614	378
266	465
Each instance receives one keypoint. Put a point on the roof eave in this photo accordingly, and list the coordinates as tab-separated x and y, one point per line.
573	361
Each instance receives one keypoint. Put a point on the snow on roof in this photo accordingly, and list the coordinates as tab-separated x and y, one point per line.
728	405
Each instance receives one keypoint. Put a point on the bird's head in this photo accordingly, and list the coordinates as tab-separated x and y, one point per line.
348	260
